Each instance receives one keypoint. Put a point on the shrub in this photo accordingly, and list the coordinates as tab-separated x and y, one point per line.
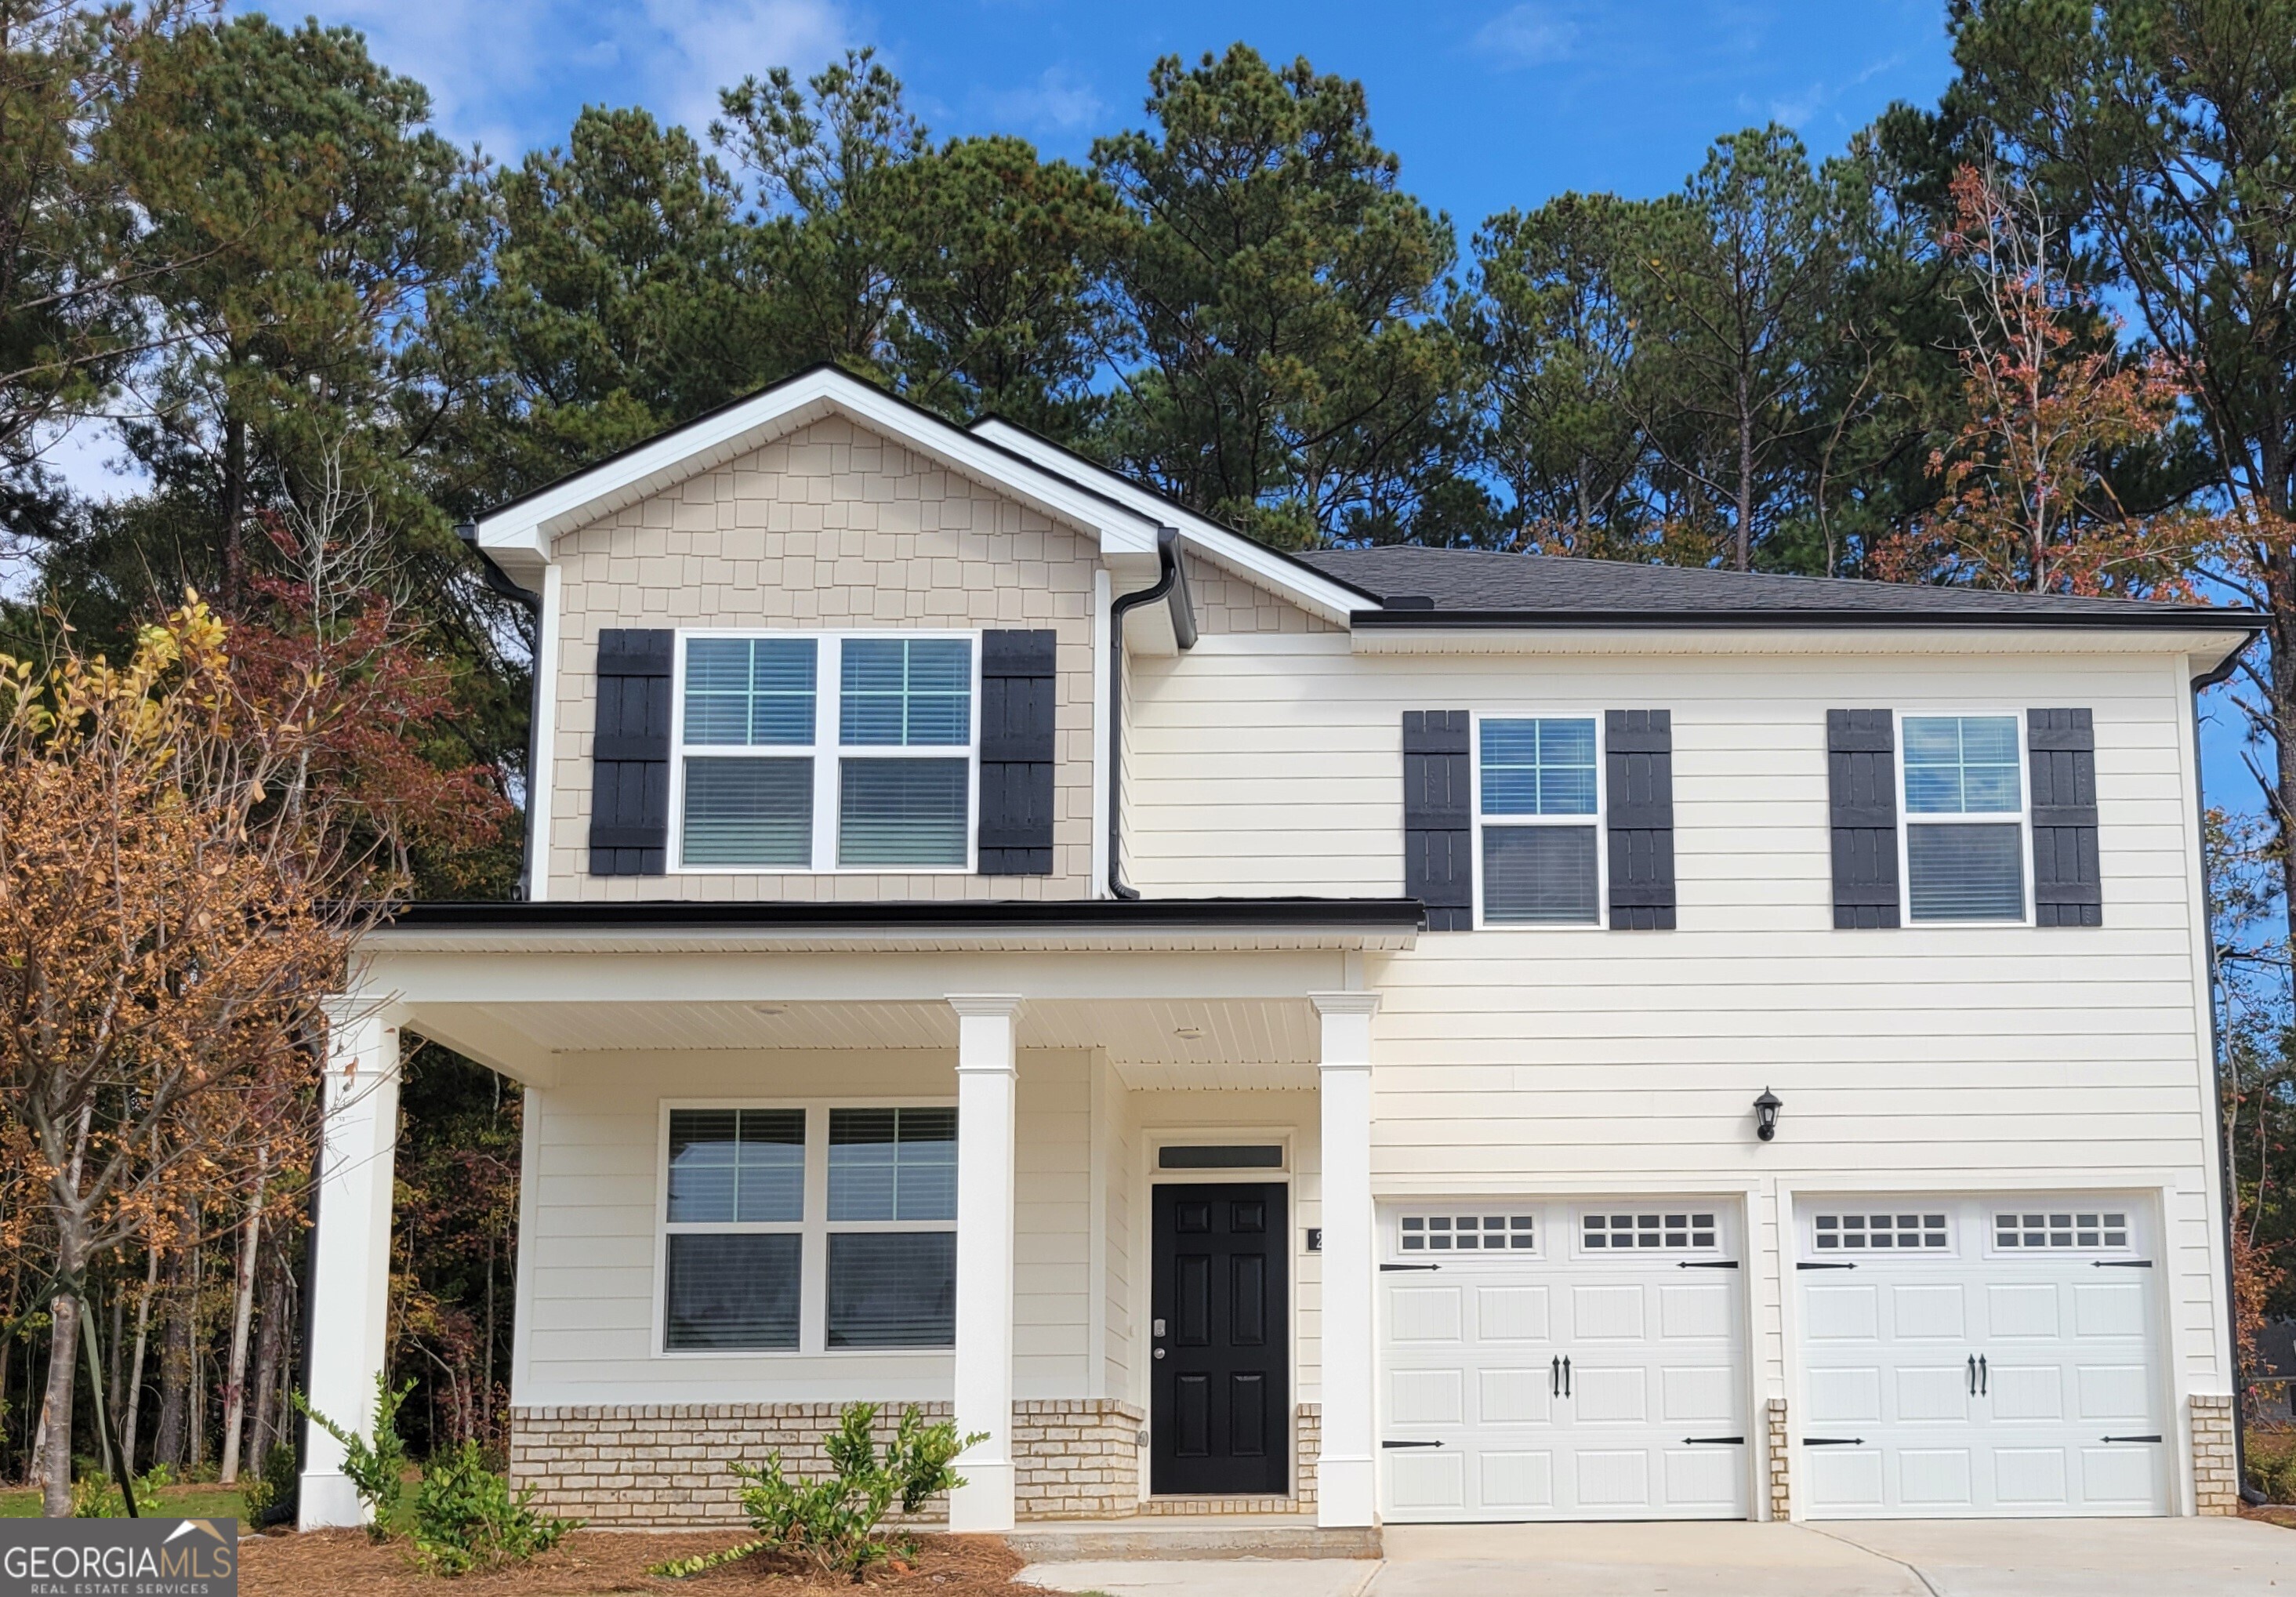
376	1470
272	1487
2270	1455
466	1518
835	1521
94	1496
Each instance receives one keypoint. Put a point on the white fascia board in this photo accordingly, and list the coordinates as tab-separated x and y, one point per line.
528	526
1254	562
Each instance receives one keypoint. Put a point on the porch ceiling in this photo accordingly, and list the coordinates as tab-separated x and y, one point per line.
1151	1042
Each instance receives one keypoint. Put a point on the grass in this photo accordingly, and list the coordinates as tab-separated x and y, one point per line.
192	1502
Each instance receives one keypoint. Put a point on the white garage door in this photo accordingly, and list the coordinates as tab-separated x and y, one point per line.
1579	1361
1978	1356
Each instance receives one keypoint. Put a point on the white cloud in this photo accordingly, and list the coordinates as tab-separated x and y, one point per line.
1057	102
693	48
1528	35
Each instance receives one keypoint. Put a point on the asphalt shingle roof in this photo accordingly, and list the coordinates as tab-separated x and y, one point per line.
1479	581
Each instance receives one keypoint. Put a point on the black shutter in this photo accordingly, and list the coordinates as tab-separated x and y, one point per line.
1439	818
1861	773
2068	891
629	753
1017	685
1638	770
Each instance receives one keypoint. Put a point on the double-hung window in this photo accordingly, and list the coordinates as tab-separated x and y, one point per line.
1538	813
817	752
808	1229
1964	834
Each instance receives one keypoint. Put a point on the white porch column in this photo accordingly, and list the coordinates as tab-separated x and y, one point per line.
1346	1483
984	1084
351	1279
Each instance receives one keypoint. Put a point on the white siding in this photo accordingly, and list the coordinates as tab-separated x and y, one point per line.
1581	1060
587	1248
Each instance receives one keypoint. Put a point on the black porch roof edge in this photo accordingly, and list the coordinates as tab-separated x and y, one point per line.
1273	914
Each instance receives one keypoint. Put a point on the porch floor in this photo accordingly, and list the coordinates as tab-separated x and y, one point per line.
1191	1537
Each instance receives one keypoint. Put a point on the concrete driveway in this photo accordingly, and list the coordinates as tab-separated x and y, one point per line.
1959	1558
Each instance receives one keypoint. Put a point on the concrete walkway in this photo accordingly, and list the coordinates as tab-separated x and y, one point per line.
1961	1558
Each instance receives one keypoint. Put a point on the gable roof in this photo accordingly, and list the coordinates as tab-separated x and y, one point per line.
1474	587
524	528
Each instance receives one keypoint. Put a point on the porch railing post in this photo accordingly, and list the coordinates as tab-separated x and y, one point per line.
351	1280
1346	1483
985	1094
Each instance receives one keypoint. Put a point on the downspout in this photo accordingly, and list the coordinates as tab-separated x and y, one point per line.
2248	1493
1169	583
499	582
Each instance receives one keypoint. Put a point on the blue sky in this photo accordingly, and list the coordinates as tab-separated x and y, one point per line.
1490	105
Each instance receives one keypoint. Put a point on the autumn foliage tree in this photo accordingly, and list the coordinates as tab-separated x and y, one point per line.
2028	501
189	844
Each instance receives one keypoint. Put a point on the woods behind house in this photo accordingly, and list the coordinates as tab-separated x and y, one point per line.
2036	336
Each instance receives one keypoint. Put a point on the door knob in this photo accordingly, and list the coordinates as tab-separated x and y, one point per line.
1160	1352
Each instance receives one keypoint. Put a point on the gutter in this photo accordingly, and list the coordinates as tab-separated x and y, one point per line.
499	582
1170	584
1268	914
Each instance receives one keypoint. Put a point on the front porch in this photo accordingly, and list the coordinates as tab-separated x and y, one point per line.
745	1205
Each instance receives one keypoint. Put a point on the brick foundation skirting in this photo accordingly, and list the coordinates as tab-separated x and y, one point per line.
1773	1416
2215	1476
665	1465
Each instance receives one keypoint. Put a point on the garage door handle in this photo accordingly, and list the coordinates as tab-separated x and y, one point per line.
1410	1443
2130	1438
1708	1264
1824	1264
1714	1441
1411	1266
1833	1441
2124	1263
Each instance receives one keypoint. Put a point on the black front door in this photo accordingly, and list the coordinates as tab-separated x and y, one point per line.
1220	1371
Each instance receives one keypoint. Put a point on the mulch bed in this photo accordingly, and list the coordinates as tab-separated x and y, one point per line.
2272	1513
594	1561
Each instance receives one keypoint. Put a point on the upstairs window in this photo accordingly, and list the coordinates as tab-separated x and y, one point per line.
802	752
1965	834
1539	802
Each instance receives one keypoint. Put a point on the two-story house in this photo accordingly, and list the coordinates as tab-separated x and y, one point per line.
1388	1035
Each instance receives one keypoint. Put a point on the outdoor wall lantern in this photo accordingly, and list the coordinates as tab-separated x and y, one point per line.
1766	1114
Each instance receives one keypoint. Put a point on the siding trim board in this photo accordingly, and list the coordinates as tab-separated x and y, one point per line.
629	753
1861	779
2061	753
1438	850
1018	688
1639	782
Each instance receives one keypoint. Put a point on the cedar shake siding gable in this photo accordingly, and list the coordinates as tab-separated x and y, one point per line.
830	528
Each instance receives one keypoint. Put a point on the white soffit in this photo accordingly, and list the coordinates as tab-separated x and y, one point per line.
2206	647
529	525
1231	550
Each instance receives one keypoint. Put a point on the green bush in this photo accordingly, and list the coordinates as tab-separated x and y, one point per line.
376	1470
93	1496
835	1521
2270	1455
273	1485
466	1517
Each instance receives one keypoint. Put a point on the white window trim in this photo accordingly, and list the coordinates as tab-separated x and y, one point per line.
1598	820
1906	820
815	1227
825	752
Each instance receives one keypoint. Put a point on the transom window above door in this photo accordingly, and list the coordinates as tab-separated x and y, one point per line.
826	751
1964	836
1537	807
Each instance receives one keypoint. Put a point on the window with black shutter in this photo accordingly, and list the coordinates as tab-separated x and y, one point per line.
629	753
2068	886
1438	818
1017	686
